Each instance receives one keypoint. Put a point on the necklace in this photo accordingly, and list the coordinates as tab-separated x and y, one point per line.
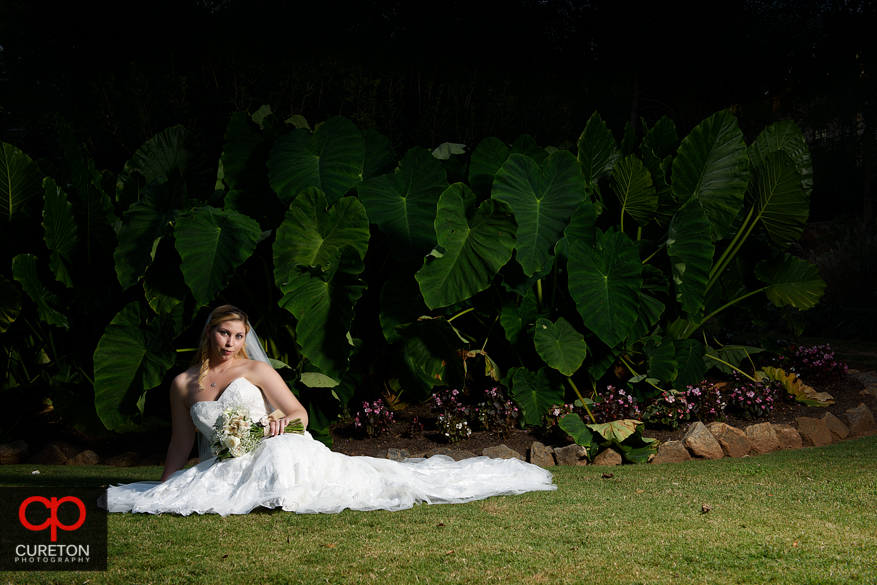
213	385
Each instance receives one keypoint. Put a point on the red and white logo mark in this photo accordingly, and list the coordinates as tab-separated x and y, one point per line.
53	522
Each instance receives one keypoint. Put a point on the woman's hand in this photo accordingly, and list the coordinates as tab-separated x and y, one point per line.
277	427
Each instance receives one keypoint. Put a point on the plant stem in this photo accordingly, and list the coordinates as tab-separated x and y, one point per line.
632	371
646	261
539	292
461	313
712	357
639	233
726	305
581	398
489	332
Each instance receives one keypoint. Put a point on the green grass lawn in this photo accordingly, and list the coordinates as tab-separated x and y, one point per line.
805	516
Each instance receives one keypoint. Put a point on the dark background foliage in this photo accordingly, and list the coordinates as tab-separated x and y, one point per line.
453	71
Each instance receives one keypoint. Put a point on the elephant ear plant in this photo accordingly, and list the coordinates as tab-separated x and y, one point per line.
370	274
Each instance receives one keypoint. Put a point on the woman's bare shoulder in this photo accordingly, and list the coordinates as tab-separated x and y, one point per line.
184	381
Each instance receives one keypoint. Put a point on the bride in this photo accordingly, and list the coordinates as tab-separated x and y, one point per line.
290	471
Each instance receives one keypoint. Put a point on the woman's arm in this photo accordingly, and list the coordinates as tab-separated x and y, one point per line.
183	429
278	394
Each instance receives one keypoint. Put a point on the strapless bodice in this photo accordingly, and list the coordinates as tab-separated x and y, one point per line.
241	392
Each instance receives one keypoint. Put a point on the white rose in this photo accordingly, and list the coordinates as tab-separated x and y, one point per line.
232	443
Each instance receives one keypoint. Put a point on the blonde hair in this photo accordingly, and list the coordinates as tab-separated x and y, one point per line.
219	315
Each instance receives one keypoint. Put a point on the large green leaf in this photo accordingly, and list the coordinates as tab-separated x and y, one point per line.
403	204
311	235
433	347
598	151
661	358
245	155
24	270
560	345
60	227
100	223
379	155
164	286
712	166
330	159
131	357
689	361
535	392
174	148
323	303
517	320
660	171
526	144
780	199
20	180
732	355
632	183
572	425
661	139
605	281
580	228
477	242
785	136
401	302
791	281
691	254
543	198
514	280
487	159
10	303
650	310
144	224
212	244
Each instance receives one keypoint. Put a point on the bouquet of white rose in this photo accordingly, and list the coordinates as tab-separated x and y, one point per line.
236	434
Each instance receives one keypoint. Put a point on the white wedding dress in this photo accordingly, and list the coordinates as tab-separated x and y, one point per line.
299	474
